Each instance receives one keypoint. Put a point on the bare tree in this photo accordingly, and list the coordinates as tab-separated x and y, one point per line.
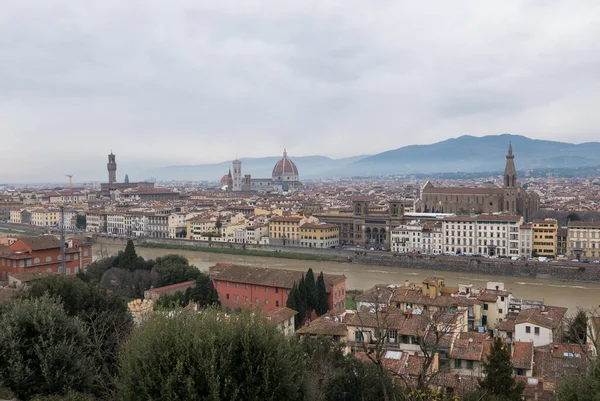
381	325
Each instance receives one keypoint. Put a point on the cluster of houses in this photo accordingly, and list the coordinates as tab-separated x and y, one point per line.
455	327
408	324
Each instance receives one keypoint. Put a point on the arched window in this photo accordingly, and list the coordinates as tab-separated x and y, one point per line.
48	258
36	260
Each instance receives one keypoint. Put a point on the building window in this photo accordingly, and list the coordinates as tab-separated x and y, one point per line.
457	364
485	306
536	331
227	284
48	258
358	337
246	299
256	301
470	365
277	304
276	290
528	329
85	252
237	298
266	302
227	296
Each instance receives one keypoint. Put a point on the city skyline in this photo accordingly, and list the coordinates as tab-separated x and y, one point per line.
195	83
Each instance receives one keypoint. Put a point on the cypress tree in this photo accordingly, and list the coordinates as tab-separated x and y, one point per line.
498	369
322	303
303	304
577	329
294	302
311	291
129	257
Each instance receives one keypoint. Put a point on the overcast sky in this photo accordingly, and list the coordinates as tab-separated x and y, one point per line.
191	81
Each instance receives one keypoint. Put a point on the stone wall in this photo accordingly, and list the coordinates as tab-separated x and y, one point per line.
502	267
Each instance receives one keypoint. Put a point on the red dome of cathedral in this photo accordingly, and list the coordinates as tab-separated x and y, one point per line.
225	179
285	167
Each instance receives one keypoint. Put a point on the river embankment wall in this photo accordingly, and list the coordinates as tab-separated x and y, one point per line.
564	271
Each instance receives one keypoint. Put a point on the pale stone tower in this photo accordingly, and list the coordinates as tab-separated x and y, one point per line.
112	168
510	183
237	175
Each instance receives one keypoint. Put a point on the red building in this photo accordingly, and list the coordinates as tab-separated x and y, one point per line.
32	254
240	285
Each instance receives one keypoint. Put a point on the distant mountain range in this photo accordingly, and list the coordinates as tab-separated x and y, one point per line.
463	154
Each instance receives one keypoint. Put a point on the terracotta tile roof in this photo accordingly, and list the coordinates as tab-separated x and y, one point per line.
39	243
470	349
324	326
30	276
172	287
507	325
522	355
317	226
280	315
492	217
547	316
287	219
584	224
395	319
265	276
462	190
551	364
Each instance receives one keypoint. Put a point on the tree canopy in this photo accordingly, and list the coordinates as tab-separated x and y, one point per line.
576	331
498	370
322	306
203	293
105	317
43	349
127	260
203	356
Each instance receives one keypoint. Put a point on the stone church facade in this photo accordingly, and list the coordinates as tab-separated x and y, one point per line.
510	198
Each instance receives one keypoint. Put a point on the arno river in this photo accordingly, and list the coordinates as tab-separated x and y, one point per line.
568	294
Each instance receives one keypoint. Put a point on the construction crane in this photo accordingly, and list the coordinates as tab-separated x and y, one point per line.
70	176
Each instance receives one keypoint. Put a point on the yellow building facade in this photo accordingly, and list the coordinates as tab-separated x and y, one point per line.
544	235
319	235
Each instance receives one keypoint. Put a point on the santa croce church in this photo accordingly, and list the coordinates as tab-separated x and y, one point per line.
510	198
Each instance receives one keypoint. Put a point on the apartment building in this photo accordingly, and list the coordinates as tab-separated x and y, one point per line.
525	240
266	288
419	237
319	235
45	217
498	235
583	240
544	233
459	235
285	230
96	221
198	227
157	225
115	223
43	254
177	225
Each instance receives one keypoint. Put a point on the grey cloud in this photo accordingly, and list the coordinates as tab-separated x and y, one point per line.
190	81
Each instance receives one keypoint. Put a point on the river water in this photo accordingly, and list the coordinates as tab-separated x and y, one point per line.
361	277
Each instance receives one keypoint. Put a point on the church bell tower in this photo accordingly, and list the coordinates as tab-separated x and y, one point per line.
510	183
112	168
